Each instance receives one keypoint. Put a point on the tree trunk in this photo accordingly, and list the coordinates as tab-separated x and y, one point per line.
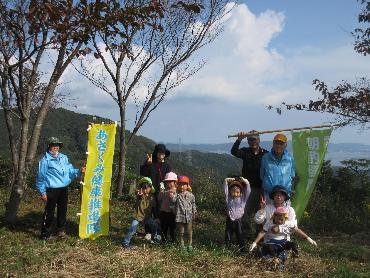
11	208
122	153
121	170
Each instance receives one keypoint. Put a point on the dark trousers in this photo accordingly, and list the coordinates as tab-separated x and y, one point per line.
275	247
168	225
234	226
57	197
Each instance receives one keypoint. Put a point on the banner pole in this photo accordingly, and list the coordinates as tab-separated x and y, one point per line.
280	130
82	178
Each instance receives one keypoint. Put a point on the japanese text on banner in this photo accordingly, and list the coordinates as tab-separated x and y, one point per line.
309	148
94	220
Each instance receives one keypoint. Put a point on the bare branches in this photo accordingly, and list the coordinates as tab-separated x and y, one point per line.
148	59
350	103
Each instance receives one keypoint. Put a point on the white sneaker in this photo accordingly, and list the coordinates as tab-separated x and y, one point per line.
157	238
148	236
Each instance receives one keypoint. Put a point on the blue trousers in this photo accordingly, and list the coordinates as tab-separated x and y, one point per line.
135	225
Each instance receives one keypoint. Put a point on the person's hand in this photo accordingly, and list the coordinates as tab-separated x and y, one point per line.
149	158
228	180
83	169
252	246
310	240
44	198
161	186
139	192
262	202
241	135
157	220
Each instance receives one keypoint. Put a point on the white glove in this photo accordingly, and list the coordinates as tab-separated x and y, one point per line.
310	240
253	245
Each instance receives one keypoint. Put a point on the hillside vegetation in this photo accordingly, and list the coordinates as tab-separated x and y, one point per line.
24	255
337	218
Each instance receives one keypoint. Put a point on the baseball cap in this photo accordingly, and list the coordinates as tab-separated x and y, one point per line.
281	137
183	179
170	176
253	136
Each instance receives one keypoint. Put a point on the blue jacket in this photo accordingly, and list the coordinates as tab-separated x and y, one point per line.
276	171
55	172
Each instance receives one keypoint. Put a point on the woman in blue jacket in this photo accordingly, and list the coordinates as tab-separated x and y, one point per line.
54	175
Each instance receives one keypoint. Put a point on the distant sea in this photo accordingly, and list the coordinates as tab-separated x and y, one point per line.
337	152
337	156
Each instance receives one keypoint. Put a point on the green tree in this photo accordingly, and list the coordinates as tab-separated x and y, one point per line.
341	199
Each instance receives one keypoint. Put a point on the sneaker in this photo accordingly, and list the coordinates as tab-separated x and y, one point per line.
148	236
49	238
61	234
276	263
157	238
128	247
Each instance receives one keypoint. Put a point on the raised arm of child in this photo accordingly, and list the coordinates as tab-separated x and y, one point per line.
305	236
226	187
246	189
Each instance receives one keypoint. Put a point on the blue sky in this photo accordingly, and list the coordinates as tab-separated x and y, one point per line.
269	52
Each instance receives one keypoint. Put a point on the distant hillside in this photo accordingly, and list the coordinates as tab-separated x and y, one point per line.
70	127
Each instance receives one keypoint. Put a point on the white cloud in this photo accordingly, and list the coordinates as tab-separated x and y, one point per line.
240	59
243	67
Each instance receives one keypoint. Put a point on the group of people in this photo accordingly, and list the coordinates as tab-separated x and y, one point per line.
165	201
268	179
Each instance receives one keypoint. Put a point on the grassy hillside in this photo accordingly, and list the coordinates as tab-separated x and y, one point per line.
22	254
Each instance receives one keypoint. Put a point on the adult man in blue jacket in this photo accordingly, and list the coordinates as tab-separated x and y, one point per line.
277	167
54	175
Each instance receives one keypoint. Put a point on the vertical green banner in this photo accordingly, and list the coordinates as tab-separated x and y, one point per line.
309	148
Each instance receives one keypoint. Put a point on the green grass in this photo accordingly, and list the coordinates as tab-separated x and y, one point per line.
22	254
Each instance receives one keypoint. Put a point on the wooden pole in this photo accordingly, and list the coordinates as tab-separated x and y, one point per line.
280	130
82	183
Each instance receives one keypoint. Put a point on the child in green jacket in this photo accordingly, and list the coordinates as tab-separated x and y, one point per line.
145	211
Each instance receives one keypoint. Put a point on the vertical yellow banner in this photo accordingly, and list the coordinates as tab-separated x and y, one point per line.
94	219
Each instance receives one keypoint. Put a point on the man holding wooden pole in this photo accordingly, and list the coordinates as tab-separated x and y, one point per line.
251	157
